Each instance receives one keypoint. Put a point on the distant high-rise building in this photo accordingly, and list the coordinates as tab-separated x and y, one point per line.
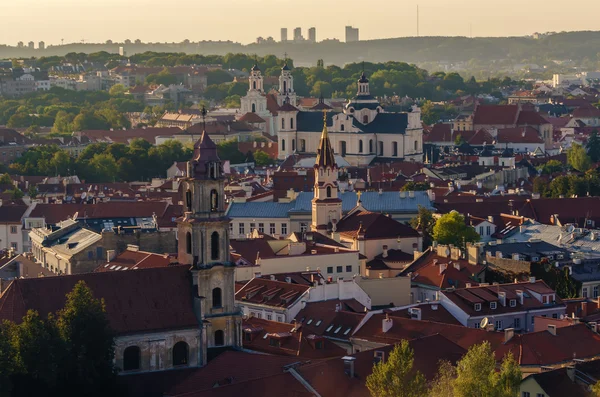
20	44
351	34
122	51
298	34
284	37
42	45
312	35
31	45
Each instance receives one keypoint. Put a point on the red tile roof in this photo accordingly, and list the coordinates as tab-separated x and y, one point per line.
375	226
495	114
134	260
569	210
272	105
531	117
142	301
326	317
251	117
329	377
291	340
587	111
519	135
12	214
270	293
439	133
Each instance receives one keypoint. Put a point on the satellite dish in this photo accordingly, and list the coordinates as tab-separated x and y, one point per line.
83	195
484	323
76	215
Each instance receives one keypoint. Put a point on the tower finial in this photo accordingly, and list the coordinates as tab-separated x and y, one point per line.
203	113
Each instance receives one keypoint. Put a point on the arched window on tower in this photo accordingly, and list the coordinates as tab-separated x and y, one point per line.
214	200
283	144
292	123
253	108
131	358
188	200
380	148
360	146
370	146
188	242
217	300
284	86
328	191
219	338
394	149
282	123
366	119
254	85
416	146
214	246
302	145
342	127
180	354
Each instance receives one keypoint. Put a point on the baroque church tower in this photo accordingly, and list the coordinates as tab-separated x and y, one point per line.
326	205
286	91
203	234
255	100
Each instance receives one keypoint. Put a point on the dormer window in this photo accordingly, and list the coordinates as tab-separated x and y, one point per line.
274	342
341	127
318	323
478	307
513	302
493	305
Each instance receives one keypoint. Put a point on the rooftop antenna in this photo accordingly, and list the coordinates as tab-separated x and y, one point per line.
417	20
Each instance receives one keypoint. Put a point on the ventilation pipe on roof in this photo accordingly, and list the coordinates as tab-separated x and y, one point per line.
387	324
552	329
508	334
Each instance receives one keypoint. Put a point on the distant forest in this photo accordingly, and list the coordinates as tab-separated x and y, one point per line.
582	48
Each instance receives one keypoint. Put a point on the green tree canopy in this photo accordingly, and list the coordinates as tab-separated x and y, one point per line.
578	158
451	229
593	147
395	376
262	159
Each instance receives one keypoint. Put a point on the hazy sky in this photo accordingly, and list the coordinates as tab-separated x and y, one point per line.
243	20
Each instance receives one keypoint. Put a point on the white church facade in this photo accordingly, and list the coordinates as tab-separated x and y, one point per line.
361	133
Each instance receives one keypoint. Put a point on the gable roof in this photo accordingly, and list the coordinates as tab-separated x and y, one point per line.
495	114
142	301
526	134
270	293
558	383
375	226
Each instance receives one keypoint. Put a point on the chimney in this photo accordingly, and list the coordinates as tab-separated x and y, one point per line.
272	277
288	280
502	298
520	295
532	280
571	372
387	323
257	275
110	255
349	365
467	285
508	334
490	327
385	251
552	329
456	265
443	267
490	219
583	309
594	326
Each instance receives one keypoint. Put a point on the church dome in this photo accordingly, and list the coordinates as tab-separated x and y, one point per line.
285	67
255	68
363	78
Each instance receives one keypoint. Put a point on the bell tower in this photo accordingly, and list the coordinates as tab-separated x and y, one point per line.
203	234
286	86
326	205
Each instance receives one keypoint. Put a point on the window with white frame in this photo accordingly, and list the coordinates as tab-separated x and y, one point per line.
303	227
584	292
517	323
272	229
241	229
13	230
488	230
478	307
284	229
493	305
252	226
513	302
261	227
595	292
498	325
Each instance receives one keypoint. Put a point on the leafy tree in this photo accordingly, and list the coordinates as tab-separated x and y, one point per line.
459	140
39	353
578	158
7	358
102	168
262	159
228	150
558	279
5	179
444	379
395	377
415	187
33	191
424	221
117	90
596	389
15	194
552	167
509	379
451	229
476	372
89	345
593	146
